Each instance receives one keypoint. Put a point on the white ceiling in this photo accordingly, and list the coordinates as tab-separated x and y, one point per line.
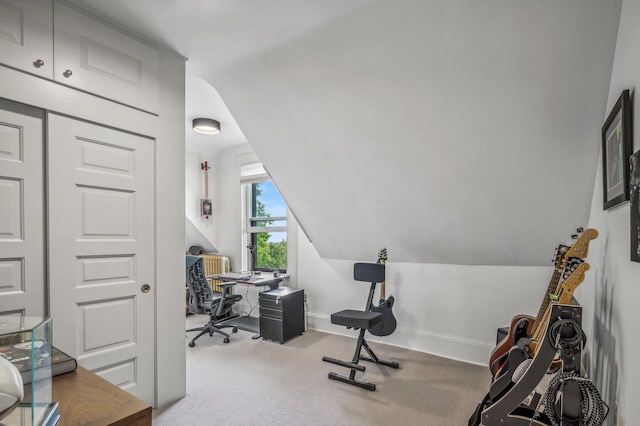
449	131
212	35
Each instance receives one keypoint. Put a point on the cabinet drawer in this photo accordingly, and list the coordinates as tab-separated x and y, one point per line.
273	313
96	58
273	303
271	328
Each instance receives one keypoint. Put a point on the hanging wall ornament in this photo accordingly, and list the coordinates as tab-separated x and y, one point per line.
205	203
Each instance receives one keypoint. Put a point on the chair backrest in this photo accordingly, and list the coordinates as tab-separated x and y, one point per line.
369	272
200	293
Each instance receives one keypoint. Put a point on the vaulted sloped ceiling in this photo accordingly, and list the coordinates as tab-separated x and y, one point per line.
462	132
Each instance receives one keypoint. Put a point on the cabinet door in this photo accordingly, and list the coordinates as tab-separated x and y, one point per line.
26	28
22	244
94	57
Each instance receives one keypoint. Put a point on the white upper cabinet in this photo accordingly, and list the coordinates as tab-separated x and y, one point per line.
94	57
26	42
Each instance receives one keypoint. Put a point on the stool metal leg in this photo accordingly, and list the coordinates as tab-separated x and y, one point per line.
353	366
375	359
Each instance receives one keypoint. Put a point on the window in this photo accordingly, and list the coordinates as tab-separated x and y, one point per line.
266	225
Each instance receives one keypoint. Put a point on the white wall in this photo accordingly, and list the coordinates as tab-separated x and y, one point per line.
447	310
611	291
479	116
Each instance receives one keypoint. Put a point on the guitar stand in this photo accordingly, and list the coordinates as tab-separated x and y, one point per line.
513	407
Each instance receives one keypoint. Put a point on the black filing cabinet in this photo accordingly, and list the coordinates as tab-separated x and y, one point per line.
281	313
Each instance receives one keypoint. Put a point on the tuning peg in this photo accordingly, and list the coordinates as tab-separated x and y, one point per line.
574	236
579	229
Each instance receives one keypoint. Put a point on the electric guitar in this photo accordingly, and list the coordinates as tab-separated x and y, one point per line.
388	324
528	348
525	325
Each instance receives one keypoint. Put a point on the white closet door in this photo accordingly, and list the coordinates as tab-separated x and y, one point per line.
101	243
22	279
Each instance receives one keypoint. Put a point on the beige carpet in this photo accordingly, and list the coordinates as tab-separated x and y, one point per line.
260	382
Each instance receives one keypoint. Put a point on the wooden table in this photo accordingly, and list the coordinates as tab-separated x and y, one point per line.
85	398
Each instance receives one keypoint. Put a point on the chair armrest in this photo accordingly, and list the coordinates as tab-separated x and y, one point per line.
226	284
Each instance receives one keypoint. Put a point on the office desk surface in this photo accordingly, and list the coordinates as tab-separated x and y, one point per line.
84	398
264	279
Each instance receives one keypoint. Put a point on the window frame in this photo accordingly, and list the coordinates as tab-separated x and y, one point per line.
251	231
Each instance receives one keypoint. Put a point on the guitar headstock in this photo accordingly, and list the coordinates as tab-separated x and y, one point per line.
382	255
561	251
571	264
572	282
581	247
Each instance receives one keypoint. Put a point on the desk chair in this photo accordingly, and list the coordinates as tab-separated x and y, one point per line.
363	320
203	300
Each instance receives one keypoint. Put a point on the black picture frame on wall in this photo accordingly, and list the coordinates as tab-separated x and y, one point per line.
634	189
616	149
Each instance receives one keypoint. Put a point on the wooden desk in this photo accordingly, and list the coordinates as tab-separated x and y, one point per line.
84	398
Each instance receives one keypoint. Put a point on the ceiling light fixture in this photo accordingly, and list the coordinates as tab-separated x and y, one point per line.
206	126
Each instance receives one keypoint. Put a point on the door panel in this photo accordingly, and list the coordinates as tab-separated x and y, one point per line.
25	35
101	234
22	256
94	57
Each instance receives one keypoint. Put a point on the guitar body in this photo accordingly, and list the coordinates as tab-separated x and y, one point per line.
504	380
521	326
388	324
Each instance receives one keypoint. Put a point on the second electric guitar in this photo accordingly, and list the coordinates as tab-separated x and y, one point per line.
388	324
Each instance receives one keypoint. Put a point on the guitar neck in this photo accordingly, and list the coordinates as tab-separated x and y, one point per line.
206	183
382	287
551	289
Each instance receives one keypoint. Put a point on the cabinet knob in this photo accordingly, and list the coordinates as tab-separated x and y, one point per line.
67	73
38	63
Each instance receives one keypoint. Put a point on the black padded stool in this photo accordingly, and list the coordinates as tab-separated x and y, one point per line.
362	320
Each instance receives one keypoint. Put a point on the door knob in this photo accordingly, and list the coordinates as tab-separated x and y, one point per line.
38	63
146	288
67	73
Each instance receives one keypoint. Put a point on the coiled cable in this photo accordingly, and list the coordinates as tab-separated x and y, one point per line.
593	410
566	336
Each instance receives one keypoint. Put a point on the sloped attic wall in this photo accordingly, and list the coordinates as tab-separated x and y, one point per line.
448	131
